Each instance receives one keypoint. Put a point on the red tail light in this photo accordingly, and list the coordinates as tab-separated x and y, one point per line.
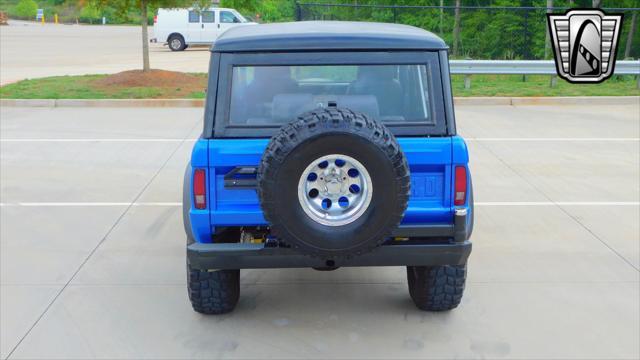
460	186
199	189
155	19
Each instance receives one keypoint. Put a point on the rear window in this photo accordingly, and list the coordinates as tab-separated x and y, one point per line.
275	95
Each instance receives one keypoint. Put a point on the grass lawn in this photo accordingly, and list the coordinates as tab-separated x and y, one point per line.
538	85
99	87
178	85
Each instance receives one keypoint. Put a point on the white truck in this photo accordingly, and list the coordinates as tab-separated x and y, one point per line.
179	28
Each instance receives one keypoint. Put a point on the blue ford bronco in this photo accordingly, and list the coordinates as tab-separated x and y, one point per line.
326	145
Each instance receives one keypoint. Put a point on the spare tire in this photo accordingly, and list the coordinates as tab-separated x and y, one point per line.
333	183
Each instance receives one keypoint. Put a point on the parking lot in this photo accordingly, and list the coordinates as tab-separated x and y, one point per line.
32	50
92	260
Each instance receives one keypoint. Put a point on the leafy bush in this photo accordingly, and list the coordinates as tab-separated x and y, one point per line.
89	14
26	9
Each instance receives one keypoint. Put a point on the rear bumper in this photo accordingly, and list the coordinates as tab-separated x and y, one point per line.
455	251
257	256
460	230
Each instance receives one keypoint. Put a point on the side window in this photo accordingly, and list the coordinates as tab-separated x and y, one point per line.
208	17
228	17
194	17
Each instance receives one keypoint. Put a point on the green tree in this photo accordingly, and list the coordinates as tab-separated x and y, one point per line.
122	6
89	13
26	8
264	10
632	31
456	29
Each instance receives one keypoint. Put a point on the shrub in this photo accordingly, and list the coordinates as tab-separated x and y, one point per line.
26	9
89	14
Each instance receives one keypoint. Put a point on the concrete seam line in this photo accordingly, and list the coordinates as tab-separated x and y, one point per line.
102	240
560	206
557	203
142	140
471	139
150	140
174	203
461	101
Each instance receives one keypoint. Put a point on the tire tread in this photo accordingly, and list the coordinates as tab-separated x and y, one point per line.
318	122
437	288
213	292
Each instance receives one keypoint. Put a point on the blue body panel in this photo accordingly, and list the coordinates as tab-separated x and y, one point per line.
431	162
200	219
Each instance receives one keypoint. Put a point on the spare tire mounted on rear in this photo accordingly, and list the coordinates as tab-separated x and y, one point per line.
333	183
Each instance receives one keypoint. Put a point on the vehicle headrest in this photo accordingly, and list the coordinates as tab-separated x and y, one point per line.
286	107
367	104
271	73
377	73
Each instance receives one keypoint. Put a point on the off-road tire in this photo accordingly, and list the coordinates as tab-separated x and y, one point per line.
213	292
171	45
436	288
210	292
322	132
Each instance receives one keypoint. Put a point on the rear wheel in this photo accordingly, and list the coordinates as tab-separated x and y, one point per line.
436	288
213	292
176	43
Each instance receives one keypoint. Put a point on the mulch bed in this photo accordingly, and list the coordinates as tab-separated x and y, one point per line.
174	84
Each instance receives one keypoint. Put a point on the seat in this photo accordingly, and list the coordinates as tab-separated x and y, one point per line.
269	81
361	103
255	100
379	81
286	107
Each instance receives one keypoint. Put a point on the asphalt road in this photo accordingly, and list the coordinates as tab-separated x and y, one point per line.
32	50
92	248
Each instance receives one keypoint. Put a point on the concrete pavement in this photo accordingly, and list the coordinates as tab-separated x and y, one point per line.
32	50
84	274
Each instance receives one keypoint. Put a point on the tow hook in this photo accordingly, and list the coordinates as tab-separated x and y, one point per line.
271	242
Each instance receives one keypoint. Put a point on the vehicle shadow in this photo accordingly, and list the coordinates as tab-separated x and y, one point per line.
165	49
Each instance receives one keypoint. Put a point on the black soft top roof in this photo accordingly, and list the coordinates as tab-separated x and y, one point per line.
326	35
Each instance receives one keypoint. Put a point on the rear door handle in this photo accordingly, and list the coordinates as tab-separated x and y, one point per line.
241	178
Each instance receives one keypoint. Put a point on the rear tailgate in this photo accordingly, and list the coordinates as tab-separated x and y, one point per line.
429	160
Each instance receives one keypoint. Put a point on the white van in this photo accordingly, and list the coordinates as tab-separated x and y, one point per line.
180	28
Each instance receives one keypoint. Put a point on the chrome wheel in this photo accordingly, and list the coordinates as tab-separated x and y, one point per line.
175	44
335	190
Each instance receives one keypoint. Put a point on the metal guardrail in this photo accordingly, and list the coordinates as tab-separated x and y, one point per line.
527	67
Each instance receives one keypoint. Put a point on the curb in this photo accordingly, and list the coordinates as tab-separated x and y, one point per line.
186	103
462	101
559	100
112	103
